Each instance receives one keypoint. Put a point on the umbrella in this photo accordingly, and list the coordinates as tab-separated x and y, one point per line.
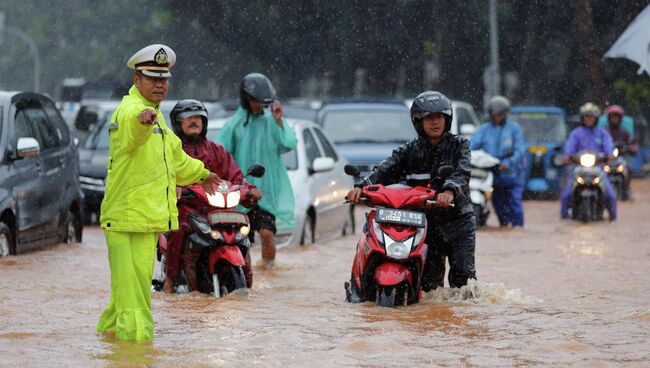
634	43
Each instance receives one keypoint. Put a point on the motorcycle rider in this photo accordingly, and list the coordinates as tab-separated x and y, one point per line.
622	139
189	121
451	231
588	137
254	136
503	139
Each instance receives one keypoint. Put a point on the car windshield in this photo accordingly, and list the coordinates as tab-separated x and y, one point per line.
98	140
290	158
541	126
368	126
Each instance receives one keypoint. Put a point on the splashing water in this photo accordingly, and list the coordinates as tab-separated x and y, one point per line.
479	292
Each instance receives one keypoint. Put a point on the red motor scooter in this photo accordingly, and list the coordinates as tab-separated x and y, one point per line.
215	251
391	253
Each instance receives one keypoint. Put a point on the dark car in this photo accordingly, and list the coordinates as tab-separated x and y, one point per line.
366	132
41	202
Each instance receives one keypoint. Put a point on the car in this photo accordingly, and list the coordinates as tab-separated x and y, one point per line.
545	132
41	202
366	132
319	185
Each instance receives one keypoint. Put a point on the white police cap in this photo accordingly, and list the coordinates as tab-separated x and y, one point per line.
153	61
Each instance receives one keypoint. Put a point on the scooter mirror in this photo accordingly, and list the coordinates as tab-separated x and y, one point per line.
445	171
352	170
256	171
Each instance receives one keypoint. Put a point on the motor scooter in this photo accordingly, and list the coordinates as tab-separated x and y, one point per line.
480	184
588	193
618	171
391	253
215	251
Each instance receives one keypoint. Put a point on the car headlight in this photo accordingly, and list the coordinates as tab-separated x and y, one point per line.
607	169
595	181
580	180
620	169
588	160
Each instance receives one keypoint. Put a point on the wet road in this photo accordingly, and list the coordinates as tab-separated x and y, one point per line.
556	293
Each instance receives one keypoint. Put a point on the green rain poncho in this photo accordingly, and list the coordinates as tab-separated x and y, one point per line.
259	140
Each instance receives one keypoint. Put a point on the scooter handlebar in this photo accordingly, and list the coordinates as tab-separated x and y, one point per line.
433	202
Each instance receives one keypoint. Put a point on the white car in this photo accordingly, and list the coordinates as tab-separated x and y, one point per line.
319	185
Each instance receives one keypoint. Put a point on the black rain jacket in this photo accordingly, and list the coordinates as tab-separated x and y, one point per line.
416	163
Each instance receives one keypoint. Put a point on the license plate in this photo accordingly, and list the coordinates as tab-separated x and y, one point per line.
401	217
220	217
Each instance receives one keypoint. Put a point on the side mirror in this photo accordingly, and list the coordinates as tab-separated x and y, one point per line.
322	164
86	119
467	130
27	147
445	171
256	171
352	170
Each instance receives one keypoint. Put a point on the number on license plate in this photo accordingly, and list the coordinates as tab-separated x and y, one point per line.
401	217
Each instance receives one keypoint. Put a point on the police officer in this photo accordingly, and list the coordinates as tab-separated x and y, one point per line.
503	139
146	162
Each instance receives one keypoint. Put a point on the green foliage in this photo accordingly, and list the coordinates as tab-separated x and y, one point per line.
637	94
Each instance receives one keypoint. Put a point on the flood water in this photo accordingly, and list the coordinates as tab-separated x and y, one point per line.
556	293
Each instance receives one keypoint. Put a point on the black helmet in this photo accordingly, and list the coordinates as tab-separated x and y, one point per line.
184	109
257	87
498	104
427	103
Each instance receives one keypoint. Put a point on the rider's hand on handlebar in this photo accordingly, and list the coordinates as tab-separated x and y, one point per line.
209	181
354	196
255	194
179	191
503	167
445	199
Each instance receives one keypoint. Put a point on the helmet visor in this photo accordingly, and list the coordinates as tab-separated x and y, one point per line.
186	114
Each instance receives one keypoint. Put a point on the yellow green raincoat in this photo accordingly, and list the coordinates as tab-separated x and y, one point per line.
145	164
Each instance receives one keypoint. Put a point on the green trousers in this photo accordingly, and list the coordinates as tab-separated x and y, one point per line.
130	256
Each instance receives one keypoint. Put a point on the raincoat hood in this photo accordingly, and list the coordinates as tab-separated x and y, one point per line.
262	141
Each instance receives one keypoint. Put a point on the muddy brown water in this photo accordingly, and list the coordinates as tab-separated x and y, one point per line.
556	293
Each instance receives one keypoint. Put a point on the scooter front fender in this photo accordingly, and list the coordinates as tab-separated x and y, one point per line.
388	274
230	253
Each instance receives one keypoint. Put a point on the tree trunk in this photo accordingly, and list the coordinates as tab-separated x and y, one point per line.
582	10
